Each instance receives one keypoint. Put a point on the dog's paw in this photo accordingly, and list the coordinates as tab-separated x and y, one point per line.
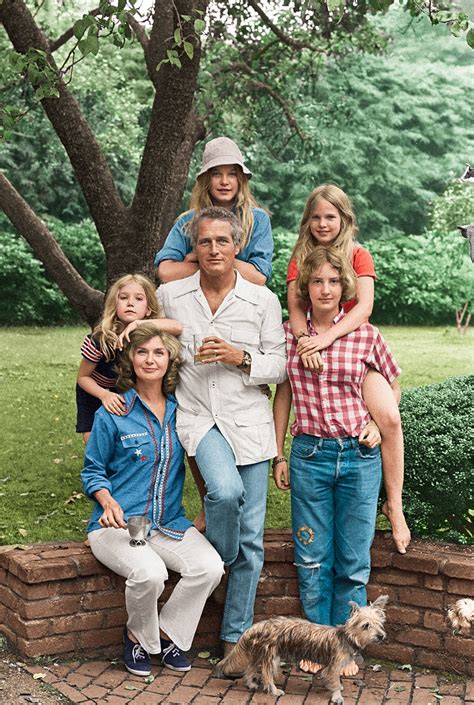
272	690
336	698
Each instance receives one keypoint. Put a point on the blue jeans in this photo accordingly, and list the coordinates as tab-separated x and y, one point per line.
335	484
235	506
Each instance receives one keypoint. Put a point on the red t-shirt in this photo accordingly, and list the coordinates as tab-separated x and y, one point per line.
362	263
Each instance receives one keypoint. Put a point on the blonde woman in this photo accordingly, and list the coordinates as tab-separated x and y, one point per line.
134	466
130	301
222	181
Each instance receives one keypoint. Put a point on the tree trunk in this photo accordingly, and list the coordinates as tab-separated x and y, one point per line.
130	236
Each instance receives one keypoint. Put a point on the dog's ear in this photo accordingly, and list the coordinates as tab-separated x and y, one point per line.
354	607
380	602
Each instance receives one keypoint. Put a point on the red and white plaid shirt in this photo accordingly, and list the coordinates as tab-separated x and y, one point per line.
330	404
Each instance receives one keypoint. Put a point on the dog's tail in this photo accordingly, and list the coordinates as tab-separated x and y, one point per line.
235	663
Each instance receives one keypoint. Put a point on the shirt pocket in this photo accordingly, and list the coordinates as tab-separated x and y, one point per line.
255	435
249	337
187	342
137	447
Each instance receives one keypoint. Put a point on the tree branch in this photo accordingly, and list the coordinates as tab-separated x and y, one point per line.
87	158
261	86
140	32
282	36
292	122
66	36
85	299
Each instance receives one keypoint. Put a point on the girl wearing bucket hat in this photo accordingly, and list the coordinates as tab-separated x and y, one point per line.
222	181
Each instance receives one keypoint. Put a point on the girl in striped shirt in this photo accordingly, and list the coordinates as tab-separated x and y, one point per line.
129	301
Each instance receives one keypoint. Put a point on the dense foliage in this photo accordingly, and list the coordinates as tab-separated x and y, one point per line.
32	297
439	459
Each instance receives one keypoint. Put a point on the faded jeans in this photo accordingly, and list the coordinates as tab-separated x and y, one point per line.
235	506
335	484
145	570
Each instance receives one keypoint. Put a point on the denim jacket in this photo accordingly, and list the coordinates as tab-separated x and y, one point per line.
140	463
258	251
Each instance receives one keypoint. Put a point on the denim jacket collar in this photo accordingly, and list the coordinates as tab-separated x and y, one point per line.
131	395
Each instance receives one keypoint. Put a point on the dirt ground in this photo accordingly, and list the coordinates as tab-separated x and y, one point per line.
17	686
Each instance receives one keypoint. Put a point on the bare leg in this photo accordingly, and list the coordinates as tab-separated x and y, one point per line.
200	519
85	436
381	403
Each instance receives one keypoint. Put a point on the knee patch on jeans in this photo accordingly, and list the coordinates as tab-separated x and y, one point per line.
305	535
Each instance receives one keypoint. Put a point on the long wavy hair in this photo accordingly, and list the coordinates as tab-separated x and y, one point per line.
306	242
338	260
127	378
109	327
244	202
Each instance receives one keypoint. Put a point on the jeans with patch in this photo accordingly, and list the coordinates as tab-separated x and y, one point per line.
235	506
335	484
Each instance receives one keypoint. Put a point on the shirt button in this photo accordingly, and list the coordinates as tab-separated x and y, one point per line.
213	384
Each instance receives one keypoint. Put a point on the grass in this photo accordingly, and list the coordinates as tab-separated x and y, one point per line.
41	455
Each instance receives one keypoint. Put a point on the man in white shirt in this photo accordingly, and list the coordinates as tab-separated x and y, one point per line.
224	420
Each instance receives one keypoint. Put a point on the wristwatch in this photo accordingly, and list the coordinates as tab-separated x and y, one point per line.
246	362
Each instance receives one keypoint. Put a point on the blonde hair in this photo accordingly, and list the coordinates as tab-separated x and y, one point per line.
127	378
201	198
110	327
344	241
338	260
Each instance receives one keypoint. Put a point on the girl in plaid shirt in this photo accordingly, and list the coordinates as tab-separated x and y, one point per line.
329	220
335	462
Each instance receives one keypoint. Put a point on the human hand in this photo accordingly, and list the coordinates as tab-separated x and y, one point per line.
114	403
125	334
112	516
313	343
200	521
313	361
217	350
370	435
281	475
191	257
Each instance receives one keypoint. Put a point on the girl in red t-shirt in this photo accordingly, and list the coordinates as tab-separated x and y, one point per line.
328	219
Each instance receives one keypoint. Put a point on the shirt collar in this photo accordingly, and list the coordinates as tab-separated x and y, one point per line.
335	320
131	396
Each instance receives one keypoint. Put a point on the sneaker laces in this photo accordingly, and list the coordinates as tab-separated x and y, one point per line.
138	653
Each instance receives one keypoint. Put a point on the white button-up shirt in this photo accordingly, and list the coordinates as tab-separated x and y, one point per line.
211	394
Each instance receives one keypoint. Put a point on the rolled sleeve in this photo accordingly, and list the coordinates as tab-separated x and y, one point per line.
381	359
269	362
259	249
99	451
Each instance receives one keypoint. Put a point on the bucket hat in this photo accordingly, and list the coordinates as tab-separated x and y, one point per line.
222	150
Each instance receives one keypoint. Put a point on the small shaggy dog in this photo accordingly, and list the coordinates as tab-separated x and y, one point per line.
260	649
461	615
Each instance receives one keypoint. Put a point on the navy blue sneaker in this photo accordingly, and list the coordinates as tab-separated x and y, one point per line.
136	659
172	657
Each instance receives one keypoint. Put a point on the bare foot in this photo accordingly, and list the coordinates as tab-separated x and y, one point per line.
310	666
200	521
352	669
400	531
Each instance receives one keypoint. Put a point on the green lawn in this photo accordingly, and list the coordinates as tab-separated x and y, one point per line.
41	455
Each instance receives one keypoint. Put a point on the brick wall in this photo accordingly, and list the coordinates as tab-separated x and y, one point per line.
56	599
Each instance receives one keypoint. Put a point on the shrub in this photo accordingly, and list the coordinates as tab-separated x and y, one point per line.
439	459
31	295
284	242
421	279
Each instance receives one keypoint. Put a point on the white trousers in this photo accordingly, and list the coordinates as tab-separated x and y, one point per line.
145	570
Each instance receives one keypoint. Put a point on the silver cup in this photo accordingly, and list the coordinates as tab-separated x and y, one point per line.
138	528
